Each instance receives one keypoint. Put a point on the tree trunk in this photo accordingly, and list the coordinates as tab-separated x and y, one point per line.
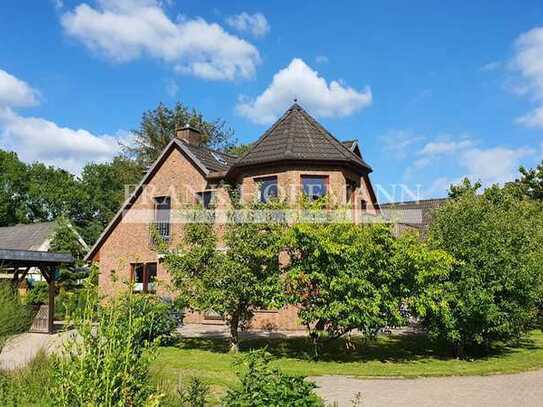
459	351
234	333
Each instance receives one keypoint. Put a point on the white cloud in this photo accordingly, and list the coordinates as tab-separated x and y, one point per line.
488	165
445	147
37	139
494	165
298	80
255	24
124	30
399	142
528	61
491	66
15	92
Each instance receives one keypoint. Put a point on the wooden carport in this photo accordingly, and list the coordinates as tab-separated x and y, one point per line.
19	262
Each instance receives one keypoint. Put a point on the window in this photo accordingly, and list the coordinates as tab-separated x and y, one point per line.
206	199
363	205
314	187
267	188
144	277
351	188
162	216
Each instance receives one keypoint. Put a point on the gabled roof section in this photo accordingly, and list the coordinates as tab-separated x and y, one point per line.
175	143
297	136
26	236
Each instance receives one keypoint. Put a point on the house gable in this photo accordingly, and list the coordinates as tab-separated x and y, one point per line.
184	159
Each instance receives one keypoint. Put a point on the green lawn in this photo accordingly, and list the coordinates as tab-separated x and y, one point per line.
394	356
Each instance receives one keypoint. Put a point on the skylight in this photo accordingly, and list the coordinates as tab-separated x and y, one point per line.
218	157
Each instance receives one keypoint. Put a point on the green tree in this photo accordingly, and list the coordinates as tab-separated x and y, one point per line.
531	181
345	276
105	187
13	185
232	282
496	239
238	150
158	127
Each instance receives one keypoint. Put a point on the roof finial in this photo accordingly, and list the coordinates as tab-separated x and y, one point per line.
295	99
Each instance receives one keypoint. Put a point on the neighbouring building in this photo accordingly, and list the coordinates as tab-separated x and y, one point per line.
295	156
32	236
421	212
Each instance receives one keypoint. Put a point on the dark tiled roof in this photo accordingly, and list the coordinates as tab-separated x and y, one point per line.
349	144
297	136
26	237
211	159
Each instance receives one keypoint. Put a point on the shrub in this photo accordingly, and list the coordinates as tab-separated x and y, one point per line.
194	394
37	294
160	316
107	363
496	239
265	386
15	317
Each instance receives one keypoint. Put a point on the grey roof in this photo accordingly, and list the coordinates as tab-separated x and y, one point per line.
26	237
32	257
297	136
213	160
425	206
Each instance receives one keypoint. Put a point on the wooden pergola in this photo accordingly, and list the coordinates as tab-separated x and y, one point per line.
19	262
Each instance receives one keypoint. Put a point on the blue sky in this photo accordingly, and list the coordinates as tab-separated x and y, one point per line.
434	91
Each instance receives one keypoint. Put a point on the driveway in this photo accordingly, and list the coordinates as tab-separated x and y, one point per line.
519	390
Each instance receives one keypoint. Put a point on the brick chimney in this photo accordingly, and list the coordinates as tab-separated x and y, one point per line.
189	135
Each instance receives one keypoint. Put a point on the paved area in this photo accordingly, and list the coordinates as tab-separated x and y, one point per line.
21	349
518	390
221	331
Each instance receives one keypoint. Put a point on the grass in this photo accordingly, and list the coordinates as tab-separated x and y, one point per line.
392	356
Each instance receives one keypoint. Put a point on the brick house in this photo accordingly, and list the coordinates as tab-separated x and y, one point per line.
295	156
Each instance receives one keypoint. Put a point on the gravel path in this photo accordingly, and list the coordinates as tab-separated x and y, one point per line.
519	390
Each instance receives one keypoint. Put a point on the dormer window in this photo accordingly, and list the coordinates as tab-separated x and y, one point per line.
314	186
267	188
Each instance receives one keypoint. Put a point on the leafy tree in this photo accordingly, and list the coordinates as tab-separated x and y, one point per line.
265	386
345	276
51	192
158	127
238	150
531	181
232	283
496	239
105	187
13	185
465	186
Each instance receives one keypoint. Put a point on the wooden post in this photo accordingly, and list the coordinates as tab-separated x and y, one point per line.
51	285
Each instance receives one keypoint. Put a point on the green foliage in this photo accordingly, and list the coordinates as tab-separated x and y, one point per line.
238	150
531	181
29	386
345	277
13	181
15	317
38	293
497	241
160	316
265	386
105	187
232	283
194	394
158	126
107	363
466	186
